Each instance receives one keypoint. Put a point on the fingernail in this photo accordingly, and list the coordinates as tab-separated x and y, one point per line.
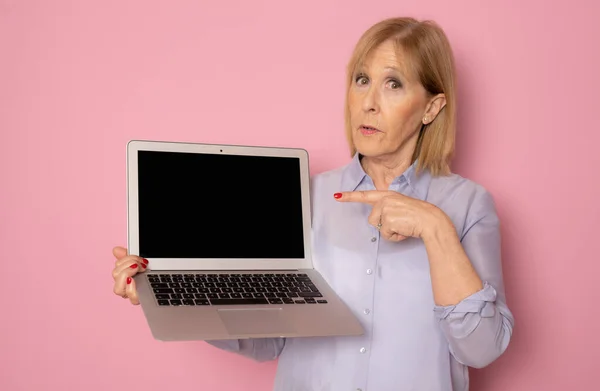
337	195
145	260
144	266
128	280
133	266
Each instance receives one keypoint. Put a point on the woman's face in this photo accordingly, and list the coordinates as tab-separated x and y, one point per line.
387	104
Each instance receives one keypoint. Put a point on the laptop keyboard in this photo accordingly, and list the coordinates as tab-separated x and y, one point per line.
234	289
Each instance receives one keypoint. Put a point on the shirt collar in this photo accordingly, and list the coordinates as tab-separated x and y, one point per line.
353	174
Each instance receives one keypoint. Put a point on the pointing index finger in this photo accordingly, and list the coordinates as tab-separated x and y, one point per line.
366	197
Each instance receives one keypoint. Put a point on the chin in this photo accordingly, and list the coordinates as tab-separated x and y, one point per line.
369	148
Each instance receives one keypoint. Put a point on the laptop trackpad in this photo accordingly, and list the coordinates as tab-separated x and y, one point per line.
255	321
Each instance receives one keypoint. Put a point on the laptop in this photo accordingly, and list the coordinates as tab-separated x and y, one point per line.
227	232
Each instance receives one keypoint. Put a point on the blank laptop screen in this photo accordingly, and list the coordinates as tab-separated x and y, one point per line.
194	205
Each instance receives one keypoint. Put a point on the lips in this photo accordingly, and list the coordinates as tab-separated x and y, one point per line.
367	127
368	130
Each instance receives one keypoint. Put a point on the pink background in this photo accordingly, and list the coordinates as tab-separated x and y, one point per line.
79	79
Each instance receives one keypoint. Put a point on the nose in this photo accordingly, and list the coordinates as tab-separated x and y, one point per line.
370	102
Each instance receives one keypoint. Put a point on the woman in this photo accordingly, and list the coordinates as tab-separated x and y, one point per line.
413	249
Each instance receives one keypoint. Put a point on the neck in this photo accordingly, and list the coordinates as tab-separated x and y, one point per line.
383	169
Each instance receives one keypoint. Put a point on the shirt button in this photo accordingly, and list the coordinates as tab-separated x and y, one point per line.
369	271
373	239
367	311
362	350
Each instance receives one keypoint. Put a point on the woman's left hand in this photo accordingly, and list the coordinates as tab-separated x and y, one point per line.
395	215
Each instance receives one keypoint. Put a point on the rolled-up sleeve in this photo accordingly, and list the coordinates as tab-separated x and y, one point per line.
479	328
258	349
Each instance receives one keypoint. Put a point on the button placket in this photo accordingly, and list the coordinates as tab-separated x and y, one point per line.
367	309
364	345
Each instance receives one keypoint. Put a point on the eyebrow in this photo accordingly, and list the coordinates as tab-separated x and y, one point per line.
363	69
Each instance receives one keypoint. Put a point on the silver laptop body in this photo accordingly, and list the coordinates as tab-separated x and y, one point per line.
227	232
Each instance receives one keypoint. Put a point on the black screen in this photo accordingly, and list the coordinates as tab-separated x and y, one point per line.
194	205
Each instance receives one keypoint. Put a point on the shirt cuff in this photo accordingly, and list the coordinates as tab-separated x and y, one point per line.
481	302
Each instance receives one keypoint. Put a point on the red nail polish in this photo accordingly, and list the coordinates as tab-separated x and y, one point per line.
128	280
337	195
144	266
145	260
133	266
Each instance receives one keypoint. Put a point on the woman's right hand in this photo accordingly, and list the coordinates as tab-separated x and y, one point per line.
127	266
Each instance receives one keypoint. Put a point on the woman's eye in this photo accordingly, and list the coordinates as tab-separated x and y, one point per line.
393	84
361	80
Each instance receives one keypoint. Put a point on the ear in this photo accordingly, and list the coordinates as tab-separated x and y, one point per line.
435	105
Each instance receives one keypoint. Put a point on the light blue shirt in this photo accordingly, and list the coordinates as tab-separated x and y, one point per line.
410	344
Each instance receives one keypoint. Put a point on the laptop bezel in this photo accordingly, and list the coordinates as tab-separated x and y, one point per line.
208	264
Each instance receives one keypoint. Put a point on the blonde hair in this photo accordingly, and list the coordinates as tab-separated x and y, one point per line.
426	44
